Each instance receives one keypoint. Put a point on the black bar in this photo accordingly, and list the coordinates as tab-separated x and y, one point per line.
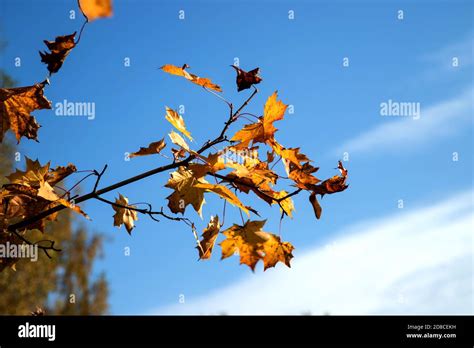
243	330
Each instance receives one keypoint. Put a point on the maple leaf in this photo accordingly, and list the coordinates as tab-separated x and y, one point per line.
274	110
152	149
177	121
246	79
276	251
209	236
183	182
213	164
93	9
16	107
290	155
253	245
258	174
257	178
303	177
332	185
201	81
225	193
37	182
60	173
263	130
59	50
34	175
123	215
252	132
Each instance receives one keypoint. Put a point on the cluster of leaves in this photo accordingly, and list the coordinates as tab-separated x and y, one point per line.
37	189
243	172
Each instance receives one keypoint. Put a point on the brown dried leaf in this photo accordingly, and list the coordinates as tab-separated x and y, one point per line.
16	107
59	50
209	236
246	79
152	149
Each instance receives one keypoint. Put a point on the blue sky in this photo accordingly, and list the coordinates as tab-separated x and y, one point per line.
337	109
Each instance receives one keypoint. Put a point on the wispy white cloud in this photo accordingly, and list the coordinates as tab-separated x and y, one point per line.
418	262
396	133
442	59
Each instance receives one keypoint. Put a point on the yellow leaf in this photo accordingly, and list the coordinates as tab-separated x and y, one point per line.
275	251
123	215
178	140
253	245
286	204
225	193
177	121
183	182
34	175
93	9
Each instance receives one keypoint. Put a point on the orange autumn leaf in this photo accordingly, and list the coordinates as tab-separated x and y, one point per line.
16	107
250	133
263	130
276	251
274	110
290	155
254	245
201	81
93	9
303	177
59	50
153	149
209	236
335	184
123	215
213	163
